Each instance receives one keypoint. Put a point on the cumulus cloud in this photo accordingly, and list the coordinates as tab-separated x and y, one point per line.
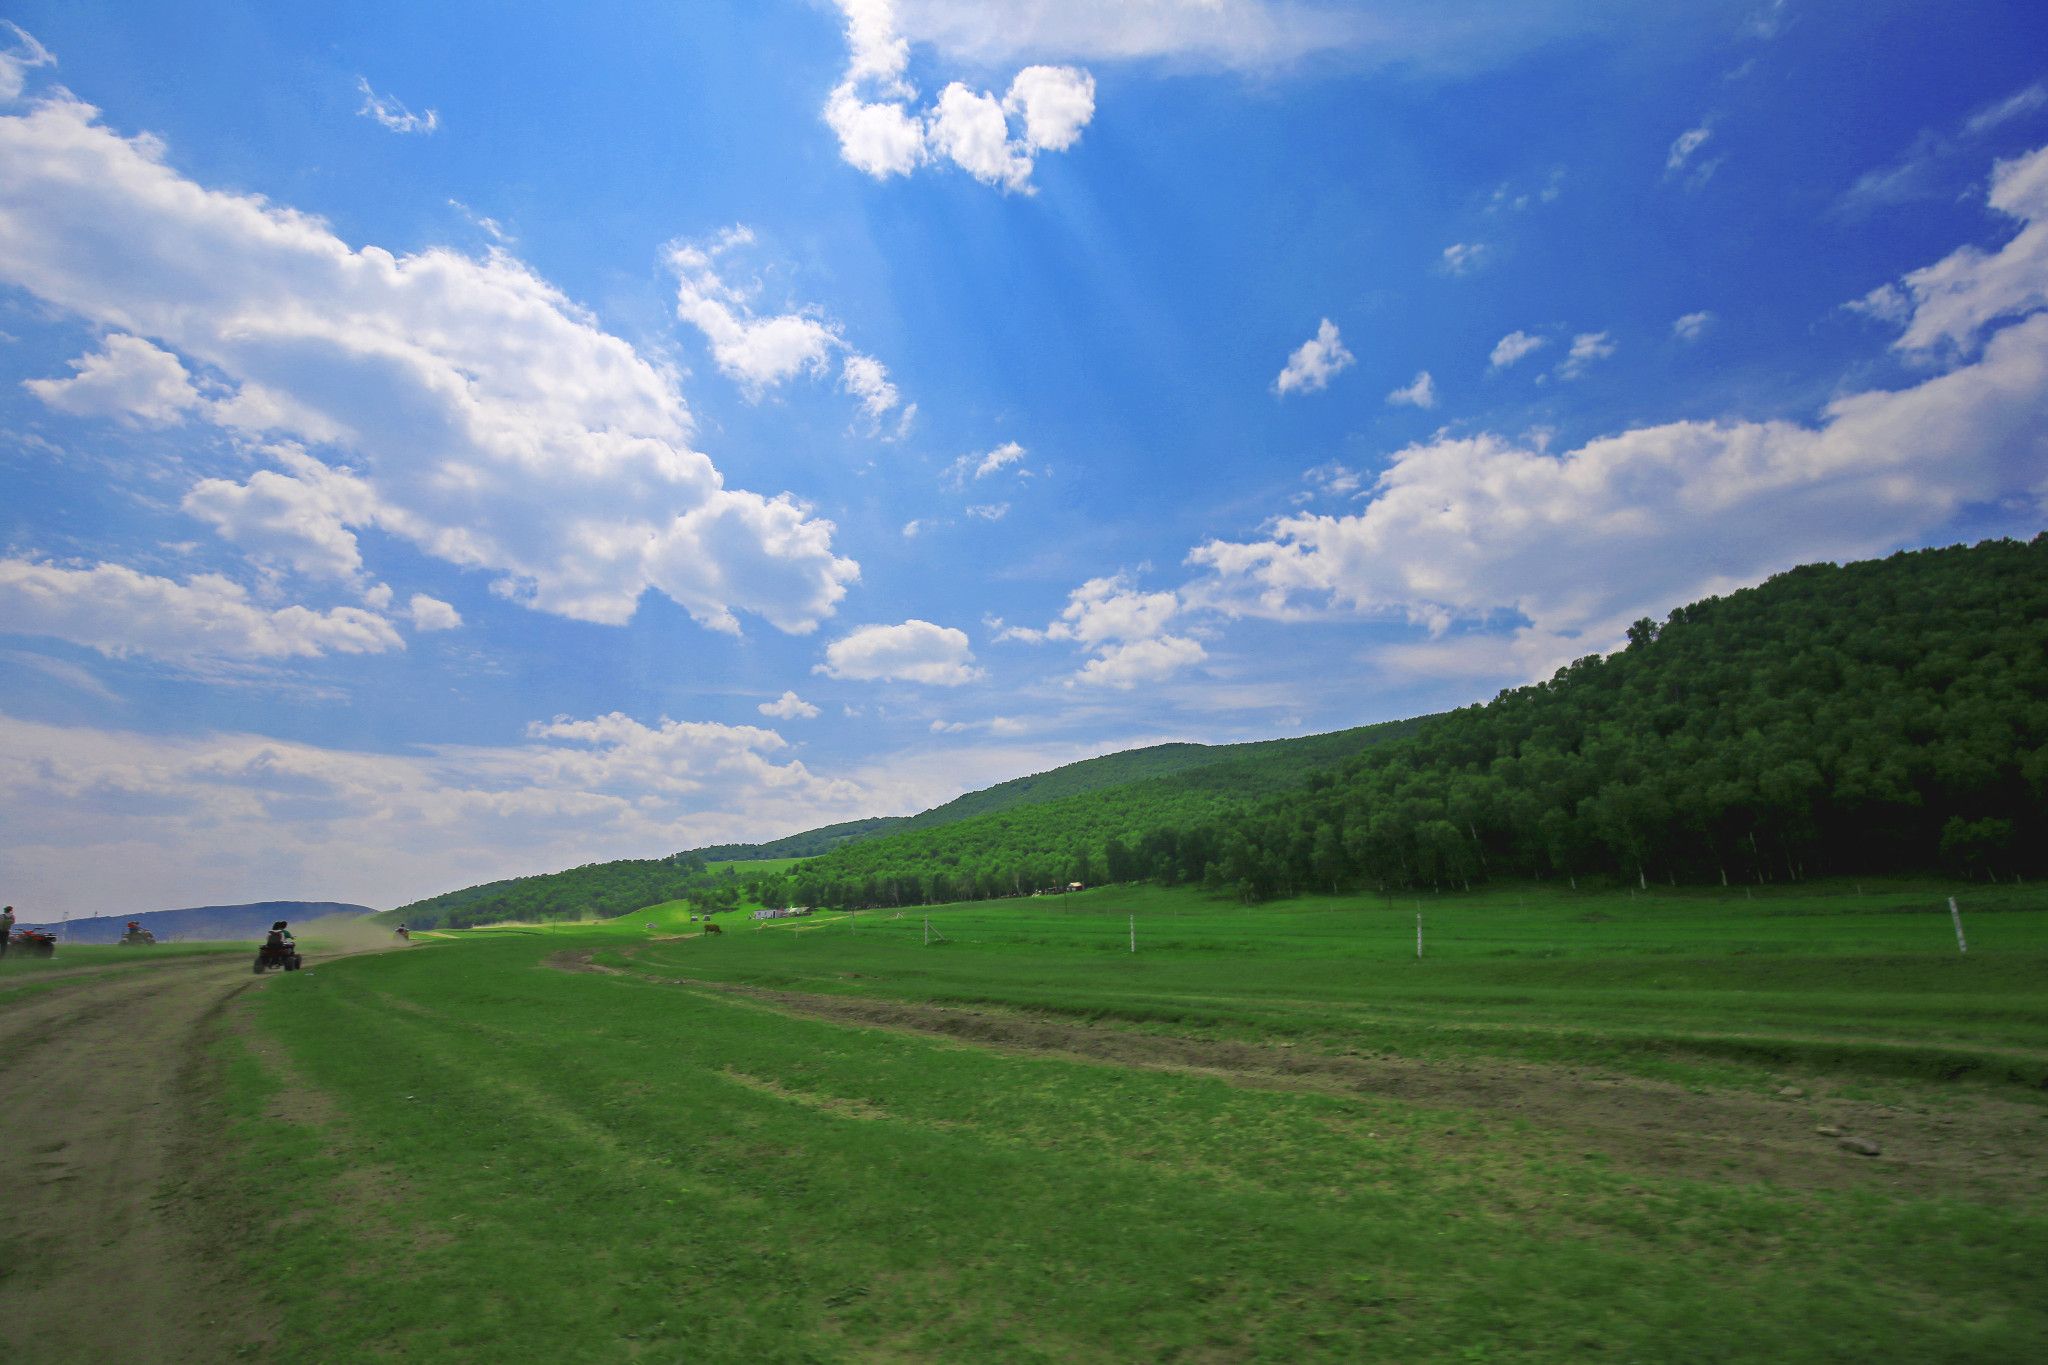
1125	629
763	352
873	110
1587	347
431	613
392	115
120	612
988	511
299	519
1513	347
127	378
1315	362
1956	299
495	425
1575	545
1692	326
1419	393
915	651
788	706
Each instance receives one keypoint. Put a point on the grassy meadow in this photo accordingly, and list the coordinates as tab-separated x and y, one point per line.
1579	1127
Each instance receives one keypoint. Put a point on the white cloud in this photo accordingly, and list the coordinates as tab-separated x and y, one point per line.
1957	298
1683	147
300	519
990	462
495	424
431	613
994	725
1576	545
99	819
1125	629
1932	165
1462	258
18	60
1124	666
761	353
1315	362
873	110
788	706
393	115
1513	347
1055	102
120	612
1587	347
1420	393
974	131
916	651
1692	326
126	378
988	511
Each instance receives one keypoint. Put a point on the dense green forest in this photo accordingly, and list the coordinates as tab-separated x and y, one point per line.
1883	716
599	889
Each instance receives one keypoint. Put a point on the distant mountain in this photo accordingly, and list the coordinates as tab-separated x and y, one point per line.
201	923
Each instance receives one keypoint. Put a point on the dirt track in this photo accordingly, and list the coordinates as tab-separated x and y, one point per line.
98	1094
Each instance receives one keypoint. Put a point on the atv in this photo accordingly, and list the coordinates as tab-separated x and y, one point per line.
33	943
275	952
136	936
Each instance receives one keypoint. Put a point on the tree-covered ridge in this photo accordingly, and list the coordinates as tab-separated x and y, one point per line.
1103	835
599	889
1887	715
807	844
1071	779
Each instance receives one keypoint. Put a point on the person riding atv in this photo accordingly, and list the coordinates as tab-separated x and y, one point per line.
34	943
279	949
136	934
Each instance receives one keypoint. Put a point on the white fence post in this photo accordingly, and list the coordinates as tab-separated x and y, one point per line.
1418	935
1957	916
1134	933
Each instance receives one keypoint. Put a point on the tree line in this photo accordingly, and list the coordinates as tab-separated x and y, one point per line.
1885	716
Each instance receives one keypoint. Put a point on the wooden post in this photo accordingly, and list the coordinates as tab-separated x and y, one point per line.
1134	933
1418	935
1957	916
927	931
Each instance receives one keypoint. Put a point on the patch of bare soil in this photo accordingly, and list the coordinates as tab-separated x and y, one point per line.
97	1088
1981	1146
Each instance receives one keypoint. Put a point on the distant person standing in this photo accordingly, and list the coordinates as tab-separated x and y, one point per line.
6	928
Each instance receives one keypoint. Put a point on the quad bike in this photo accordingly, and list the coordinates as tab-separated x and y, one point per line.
33	943
136	935
274	953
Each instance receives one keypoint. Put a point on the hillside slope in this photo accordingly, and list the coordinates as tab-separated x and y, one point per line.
1881	716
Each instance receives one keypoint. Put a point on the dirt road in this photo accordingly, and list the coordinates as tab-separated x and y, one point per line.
98	1116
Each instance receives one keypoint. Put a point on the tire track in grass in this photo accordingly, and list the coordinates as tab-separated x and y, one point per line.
1648	1125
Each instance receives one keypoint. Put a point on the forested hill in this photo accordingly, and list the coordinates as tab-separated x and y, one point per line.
1886	715
605	889
598	889
1073	779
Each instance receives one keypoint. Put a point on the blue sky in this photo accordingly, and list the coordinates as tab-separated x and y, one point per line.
447	442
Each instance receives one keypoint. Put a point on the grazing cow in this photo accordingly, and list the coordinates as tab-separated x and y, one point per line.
711	928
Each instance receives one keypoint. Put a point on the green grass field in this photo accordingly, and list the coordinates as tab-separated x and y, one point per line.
1268	1134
